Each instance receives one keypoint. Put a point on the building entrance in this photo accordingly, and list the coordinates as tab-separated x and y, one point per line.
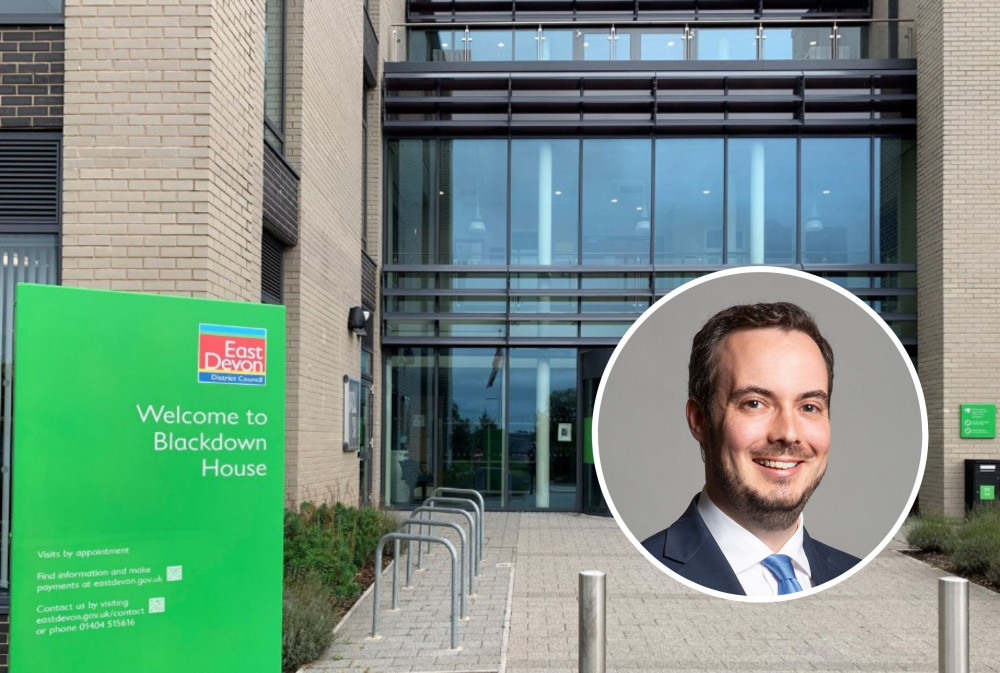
592	366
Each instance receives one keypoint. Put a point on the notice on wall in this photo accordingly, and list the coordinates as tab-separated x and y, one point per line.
978	421
148	474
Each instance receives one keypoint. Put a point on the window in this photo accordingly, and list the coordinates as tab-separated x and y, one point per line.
31	11
274	72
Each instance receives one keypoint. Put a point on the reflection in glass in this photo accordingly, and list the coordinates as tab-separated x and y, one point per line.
552	330
616	201
489	45
534	304
456	328
410	463
435	45
761	194
852	41
410	166
689	185
472	304
550	44
664	44
544	201
725	44
471	394
473	215
542	432
274	70
54	7
598	44
895	189
836	200
808	43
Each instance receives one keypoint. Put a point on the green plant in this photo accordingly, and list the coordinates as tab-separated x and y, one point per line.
930	532
307	620
976	547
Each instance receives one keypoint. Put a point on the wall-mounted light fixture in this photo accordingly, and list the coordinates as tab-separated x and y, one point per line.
357	319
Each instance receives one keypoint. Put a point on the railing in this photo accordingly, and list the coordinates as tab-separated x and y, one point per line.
654	41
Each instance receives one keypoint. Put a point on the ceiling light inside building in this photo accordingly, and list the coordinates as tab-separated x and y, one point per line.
558	193
826	191
614	200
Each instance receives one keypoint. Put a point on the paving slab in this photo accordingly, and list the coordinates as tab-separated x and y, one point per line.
523	617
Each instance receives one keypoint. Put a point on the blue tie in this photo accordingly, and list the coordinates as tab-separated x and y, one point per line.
781	567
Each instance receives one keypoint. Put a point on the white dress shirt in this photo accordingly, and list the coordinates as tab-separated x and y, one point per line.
745	551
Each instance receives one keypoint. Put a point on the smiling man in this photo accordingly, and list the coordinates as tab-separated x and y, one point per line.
760	380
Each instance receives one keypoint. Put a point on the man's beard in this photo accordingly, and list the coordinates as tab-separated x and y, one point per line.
768	511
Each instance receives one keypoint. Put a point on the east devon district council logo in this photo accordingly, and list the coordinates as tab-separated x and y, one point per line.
232	355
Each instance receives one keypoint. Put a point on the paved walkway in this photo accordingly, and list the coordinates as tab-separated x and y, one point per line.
524	616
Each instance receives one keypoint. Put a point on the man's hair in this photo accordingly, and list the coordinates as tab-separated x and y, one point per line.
704	364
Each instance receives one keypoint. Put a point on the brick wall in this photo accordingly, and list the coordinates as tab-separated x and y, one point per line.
281	197
958	170
31	77
162	146
324	141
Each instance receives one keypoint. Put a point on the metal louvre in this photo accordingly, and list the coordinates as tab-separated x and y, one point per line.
496	10
25	258
783	100
29	181
270	269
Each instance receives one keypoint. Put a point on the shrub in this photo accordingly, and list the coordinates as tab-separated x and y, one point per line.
976	547
325	548
930	532
307	620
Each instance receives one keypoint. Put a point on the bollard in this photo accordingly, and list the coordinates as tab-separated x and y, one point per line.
953	625
592	622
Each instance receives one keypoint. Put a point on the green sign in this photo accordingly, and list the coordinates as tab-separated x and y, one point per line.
978	421
588	440
148	483
987	492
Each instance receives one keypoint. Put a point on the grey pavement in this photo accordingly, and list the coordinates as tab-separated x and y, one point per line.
524	614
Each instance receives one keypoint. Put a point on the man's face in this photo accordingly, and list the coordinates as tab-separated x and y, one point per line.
770	433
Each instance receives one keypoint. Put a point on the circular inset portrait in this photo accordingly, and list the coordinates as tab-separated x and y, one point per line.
760	434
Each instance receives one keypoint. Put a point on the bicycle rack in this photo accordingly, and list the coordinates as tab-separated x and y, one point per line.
473	557
463	501
441	490
461	555
396	537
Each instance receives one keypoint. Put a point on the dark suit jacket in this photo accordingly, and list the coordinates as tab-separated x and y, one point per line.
688	548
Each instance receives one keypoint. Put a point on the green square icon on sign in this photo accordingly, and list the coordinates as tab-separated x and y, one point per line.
978	421
987	492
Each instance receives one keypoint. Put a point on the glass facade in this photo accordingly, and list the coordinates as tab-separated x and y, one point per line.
675	201
507	259
742	41
499	420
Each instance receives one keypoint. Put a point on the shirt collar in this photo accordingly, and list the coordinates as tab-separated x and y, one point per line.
742	548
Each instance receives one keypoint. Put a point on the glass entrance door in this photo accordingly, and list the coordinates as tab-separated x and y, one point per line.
367	444
592	366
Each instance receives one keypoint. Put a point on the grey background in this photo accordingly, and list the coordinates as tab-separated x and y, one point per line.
651	466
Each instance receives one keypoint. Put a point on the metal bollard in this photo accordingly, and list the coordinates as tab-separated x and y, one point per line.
593	640
953	625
